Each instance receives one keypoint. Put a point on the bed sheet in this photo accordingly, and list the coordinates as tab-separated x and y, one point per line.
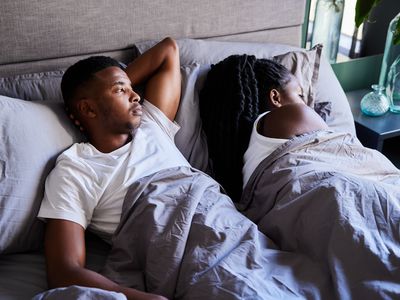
23	275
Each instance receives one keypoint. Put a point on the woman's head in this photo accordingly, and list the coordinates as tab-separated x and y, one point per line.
276	85
234	94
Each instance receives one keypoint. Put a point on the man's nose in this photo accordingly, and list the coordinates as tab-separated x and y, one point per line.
134	97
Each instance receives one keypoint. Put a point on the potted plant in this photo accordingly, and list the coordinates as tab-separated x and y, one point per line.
363	10
389	77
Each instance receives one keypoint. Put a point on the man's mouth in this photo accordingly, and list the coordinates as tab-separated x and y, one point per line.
136	110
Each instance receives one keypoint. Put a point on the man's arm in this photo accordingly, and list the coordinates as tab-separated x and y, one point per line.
65	258
159	67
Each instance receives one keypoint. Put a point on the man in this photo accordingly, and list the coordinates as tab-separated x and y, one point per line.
90	180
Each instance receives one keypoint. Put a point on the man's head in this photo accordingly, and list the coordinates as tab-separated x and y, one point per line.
276	84
80	74
98	94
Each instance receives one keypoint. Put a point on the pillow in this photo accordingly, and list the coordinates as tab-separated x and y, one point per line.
304	65
33	135
190	139
36	86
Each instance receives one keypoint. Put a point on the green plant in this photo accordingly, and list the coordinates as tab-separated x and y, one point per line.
363	9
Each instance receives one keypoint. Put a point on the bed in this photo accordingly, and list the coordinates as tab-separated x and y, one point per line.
40	39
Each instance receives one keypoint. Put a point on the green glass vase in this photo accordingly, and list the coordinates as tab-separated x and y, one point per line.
375	103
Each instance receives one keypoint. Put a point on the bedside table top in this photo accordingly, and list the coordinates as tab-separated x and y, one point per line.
386	126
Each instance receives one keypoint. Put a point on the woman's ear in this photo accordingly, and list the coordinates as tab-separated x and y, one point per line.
86	108
274	99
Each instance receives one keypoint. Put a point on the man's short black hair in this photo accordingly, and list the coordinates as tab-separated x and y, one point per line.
81	72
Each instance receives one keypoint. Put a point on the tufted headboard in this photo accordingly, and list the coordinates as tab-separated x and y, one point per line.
41	35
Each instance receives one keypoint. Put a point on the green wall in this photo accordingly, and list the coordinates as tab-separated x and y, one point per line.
358	73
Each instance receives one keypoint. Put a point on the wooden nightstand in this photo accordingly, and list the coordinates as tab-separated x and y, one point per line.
380	133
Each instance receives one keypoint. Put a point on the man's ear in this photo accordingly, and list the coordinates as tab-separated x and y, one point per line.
86	108
274	99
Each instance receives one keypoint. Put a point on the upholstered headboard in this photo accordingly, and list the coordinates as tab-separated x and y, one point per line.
41	35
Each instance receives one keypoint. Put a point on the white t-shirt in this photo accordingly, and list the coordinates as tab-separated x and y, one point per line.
259	148
88	187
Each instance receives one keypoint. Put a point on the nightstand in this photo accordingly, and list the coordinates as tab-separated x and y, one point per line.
380	133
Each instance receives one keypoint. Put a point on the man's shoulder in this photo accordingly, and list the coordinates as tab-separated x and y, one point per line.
72	163
76	155
74	151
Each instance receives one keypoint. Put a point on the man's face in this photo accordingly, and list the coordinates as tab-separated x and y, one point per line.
118	108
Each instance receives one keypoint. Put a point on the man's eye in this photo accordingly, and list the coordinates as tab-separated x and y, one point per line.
301	96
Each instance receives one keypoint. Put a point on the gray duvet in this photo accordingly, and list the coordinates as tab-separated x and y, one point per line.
181	238
327	197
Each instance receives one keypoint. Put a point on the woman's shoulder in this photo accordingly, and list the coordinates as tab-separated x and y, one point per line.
291	120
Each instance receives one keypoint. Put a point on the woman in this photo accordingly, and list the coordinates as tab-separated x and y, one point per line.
237	90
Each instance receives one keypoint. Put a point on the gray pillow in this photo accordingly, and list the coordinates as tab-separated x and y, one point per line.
33	135
42	86
190	139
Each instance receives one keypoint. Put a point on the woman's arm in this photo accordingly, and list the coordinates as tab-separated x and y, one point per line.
159	68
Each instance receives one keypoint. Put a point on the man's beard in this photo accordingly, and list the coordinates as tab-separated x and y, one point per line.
134	127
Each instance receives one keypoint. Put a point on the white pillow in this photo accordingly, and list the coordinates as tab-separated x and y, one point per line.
33	134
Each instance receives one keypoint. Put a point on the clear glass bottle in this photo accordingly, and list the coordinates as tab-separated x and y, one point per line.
375	103
327	26
389	75
393	86
390	53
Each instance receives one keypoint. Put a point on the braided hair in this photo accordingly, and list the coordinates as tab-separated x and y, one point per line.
233	95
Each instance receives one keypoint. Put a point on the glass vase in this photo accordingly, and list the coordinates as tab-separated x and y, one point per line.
375	103
327	26
390	53
393	86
